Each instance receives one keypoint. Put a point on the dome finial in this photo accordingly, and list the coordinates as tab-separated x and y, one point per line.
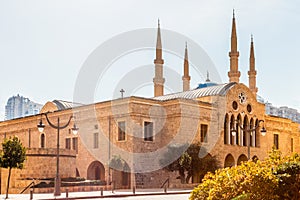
207	77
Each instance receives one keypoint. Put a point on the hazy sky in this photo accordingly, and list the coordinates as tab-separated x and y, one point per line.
43	44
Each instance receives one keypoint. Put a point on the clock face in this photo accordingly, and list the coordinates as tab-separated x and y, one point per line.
242	97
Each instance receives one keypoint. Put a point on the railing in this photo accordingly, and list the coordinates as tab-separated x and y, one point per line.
166	181
28	186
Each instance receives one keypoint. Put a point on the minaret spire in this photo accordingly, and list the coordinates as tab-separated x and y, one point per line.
234	74
207	76
252	72
158	42
158	79
186	77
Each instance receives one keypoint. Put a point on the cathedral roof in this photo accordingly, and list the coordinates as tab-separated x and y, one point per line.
215	90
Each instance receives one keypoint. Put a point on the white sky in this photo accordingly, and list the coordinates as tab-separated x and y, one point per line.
43	44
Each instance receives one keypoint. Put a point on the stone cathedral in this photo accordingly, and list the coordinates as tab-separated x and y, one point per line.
226	120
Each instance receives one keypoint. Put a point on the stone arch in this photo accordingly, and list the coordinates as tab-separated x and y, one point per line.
120	172
229	161
242	158
96	171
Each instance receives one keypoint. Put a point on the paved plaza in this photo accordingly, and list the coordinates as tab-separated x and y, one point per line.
117	194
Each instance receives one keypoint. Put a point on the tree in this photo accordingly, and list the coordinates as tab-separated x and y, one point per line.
287	172
188	162
276	177
201	165
13	155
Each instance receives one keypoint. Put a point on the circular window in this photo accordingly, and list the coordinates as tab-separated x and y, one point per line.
242	97
235	105
249	108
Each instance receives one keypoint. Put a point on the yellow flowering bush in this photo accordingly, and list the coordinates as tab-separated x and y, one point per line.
274	178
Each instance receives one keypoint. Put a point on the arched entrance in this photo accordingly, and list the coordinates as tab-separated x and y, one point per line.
120	172
96	171
242	158
229	161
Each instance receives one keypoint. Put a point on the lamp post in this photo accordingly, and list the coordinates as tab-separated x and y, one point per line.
58	127
248	131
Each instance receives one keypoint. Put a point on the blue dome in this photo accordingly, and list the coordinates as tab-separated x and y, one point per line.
206	84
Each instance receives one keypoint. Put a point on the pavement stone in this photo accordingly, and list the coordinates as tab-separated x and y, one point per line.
96	194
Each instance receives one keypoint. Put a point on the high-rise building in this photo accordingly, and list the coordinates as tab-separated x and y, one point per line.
19	106
283	111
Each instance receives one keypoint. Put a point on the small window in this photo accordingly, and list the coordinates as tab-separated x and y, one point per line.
249	108
148	131
68	143
42	140
234	105
292	145
121	131
276	141
96	140
75	144
203	132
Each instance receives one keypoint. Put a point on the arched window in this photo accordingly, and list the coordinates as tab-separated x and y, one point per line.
229	161
232	142
242	158
245	133
42	140
256	134
252	133
226	136
237	128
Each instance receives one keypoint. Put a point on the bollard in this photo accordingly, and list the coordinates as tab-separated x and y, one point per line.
67	192
113	187
101	191
165	188
31	194
133	190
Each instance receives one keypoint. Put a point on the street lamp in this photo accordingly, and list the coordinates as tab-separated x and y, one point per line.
248	131
41	126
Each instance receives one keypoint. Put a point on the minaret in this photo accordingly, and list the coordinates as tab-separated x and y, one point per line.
186	77
252	71
234	74
207	76
158	80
